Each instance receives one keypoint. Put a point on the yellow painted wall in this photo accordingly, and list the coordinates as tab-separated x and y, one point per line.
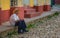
40	2
47	2
20	3
5	4
31	3
43	2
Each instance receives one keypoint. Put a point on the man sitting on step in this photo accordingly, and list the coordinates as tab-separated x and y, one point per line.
15	21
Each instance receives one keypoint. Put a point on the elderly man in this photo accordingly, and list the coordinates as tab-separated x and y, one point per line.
15	21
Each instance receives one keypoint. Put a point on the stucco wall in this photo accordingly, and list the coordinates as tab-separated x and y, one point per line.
57	1
4	11
5	4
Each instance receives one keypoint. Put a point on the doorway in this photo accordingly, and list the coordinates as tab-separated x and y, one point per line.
52	3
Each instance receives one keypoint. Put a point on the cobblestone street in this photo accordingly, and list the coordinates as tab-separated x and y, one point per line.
48	29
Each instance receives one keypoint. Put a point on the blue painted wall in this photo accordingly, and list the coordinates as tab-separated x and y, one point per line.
35	2
26	2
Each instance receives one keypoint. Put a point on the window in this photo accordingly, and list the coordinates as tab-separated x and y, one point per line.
13	2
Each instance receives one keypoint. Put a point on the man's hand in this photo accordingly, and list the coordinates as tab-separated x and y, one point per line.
16	20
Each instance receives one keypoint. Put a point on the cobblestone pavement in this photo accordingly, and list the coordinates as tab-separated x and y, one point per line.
48	29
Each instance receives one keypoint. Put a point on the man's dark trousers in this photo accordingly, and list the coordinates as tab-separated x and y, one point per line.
21	26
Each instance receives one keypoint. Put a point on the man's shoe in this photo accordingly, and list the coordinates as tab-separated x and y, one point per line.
21	33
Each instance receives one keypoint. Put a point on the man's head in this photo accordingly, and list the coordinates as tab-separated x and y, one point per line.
16	12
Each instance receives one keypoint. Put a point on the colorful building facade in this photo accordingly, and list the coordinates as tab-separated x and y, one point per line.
27	8
57	2
4	10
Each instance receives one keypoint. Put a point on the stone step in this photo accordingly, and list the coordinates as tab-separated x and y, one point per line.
30	10
30	15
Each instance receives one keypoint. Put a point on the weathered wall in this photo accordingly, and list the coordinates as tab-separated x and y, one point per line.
57	1
31	3
47	5
5	4
4	12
